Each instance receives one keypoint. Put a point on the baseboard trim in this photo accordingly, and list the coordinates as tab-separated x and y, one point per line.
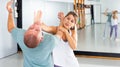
97	54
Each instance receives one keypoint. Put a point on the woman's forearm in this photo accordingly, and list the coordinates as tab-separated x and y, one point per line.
72	41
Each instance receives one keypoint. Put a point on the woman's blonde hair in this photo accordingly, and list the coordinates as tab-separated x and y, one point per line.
114	14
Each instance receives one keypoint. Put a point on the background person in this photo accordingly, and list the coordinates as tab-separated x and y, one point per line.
114	24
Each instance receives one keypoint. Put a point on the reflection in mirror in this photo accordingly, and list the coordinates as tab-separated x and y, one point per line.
95	36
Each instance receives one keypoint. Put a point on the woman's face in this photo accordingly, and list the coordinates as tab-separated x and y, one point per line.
69	21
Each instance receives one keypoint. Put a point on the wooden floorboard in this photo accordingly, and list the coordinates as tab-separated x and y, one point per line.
100	57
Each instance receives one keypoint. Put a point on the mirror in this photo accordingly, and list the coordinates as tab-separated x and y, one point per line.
90	38
95	37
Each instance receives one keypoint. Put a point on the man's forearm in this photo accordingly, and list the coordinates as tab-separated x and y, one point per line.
11	24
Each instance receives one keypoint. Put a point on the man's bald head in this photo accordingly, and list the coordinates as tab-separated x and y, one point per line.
31	40
33	35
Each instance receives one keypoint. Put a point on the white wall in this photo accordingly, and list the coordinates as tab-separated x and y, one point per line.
7	45
71	1
97	15
50	10
112	5
28	8
92	1
87	19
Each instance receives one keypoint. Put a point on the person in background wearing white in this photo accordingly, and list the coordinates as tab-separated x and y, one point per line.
114	24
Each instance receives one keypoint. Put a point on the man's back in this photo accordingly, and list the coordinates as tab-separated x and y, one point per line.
39	56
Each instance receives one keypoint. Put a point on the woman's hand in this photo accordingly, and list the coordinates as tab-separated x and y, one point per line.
70	38
61	16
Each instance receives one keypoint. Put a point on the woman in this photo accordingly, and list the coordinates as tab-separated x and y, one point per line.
114	24
63	55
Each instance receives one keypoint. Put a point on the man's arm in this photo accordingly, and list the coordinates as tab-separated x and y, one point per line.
10	24
37	16
37	19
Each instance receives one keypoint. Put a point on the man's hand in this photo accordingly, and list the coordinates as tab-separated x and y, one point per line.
8	6
38	16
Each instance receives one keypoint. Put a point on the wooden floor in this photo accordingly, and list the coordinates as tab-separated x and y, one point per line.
16	60
98	57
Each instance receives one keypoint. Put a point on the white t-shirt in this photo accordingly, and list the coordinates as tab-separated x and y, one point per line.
63	55
114	21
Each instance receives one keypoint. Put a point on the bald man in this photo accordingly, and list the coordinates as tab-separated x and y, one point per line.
36	45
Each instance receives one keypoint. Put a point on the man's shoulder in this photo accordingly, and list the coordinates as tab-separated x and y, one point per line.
18	29
49	36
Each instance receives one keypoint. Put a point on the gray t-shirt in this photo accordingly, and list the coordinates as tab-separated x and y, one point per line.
40	56
109	17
